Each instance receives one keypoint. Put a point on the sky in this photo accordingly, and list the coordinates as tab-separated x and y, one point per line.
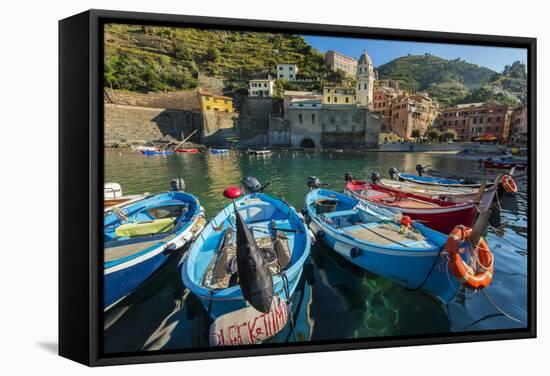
383	51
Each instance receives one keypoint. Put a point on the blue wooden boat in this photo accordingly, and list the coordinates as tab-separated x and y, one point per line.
157	152
433	180
210	265
219	151
140	237
370	238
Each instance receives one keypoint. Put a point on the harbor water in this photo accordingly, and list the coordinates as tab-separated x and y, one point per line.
335	300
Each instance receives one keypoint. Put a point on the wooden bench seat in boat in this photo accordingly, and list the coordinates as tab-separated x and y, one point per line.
385	234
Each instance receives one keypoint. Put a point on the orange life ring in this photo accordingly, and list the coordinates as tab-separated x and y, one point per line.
509	184
463	271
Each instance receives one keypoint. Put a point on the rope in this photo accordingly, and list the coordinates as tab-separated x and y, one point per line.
508	241
287	301
430	272
498	309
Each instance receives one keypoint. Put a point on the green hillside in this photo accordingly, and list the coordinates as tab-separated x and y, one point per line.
456	81
146	58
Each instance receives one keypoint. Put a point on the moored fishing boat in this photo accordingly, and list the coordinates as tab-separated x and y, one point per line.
505	164
140	237
259	152
400	250
219	151
436	214
113	197
450	194
246	264
431	180
190	151
157	152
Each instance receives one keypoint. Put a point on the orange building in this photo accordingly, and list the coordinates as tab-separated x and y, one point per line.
383	99
413	112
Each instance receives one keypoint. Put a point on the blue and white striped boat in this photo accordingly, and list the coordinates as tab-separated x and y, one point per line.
140	237
210	264
219	151
432	180
368	237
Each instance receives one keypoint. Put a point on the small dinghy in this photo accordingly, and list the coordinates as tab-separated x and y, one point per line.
140	237
436	214
259	152
219	151
398	249
246	264
505	164
190	151
446	181
157	152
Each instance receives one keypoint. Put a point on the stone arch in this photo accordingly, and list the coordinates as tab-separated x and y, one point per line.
307	143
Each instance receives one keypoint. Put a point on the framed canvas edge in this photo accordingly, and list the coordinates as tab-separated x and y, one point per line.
97	17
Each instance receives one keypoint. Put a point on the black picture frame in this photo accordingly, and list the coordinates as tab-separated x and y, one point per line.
81	165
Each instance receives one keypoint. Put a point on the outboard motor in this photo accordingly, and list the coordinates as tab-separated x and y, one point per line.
313	182
393	172
348	177
251	185
375	177
419	169
177	184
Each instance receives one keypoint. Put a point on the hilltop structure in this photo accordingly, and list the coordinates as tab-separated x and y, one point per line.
339	62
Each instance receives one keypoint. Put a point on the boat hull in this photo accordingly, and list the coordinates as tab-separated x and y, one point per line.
451	194
218	302
416	268
440	218
429	180
190	151
504	165
129	269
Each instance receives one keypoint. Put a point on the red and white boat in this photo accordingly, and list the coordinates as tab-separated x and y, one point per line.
191	151
437	214
505	164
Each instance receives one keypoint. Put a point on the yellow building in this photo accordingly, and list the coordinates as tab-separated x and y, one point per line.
339	95
214	102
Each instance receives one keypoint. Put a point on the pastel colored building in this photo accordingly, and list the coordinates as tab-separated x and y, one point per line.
261	88
287	71
519	125
339	96
413	112
337	61
214	102
383	99
478	121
